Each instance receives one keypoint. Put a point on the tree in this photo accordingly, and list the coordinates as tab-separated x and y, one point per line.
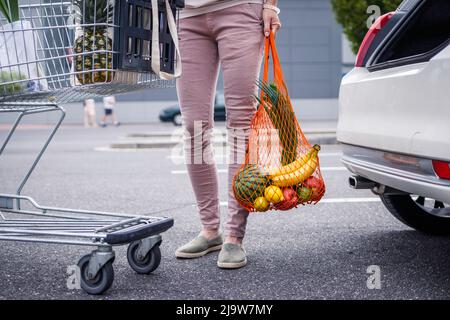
353	16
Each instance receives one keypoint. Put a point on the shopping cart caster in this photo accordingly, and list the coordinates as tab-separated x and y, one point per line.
96	271
144	256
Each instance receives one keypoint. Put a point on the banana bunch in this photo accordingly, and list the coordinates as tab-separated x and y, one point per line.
297	171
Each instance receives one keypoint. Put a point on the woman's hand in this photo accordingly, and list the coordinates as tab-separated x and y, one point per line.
271	22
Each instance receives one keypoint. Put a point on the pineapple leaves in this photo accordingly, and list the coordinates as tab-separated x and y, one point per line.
14	8
270	91
4	8
283	119
10	10
94	12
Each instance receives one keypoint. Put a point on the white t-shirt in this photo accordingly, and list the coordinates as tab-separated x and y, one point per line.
89	103
197	7
109	102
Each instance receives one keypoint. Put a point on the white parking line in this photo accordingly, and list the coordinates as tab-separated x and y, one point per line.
221	156
185	171
330	154
349	200
332	200
323	169
333	169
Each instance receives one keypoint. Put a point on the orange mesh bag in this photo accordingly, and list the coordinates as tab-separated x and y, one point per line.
281	169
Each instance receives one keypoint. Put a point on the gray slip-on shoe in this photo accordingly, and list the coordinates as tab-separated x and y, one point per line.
199	247
232	256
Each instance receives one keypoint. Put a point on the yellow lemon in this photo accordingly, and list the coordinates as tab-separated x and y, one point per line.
273	194
261	204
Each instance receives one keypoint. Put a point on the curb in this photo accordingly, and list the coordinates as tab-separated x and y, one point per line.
322	139
165	134
151	145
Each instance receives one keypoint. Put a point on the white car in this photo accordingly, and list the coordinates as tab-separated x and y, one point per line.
394	114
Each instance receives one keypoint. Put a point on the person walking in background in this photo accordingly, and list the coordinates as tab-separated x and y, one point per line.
230	34
89	114
109	103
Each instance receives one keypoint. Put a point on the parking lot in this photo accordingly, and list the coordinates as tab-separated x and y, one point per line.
313	252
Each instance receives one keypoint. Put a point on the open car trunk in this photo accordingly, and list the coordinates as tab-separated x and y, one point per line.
422	33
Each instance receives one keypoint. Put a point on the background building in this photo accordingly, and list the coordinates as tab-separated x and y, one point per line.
312	51
310	47
314	57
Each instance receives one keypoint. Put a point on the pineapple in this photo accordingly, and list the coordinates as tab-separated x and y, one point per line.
93	39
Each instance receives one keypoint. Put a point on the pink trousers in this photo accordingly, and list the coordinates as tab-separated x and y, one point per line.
232	39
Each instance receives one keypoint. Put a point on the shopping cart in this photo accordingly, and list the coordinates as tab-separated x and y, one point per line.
57	51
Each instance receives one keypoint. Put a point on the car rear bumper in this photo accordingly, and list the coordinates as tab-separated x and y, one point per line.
405	173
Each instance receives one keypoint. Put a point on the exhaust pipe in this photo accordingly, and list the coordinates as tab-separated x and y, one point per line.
359	183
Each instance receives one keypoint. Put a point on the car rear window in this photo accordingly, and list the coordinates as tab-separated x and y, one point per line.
407	5
426	30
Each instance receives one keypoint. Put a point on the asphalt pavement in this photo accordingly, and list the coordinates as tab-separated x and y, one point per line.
313	252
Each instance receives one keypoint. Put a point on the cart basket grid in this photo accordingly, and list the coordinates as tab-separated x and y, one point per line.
63	51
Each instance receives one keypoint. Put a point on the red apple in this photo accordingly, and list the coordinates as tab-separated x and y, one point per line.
317	186
290	200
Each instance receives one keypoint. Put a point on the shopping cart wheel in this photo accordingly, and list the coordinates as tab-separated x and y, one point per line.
101	282
141	262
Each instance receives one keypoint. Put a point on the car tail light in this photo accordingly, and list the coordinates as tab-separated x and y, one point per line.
442	169
370	36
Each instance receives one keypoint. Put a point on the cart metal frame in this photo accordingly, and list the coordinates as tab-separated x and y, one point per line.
52	225
44	58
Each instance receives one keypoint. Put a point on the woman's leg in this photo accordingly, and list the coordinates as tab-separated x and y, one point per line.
240	38
196	91
86	117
